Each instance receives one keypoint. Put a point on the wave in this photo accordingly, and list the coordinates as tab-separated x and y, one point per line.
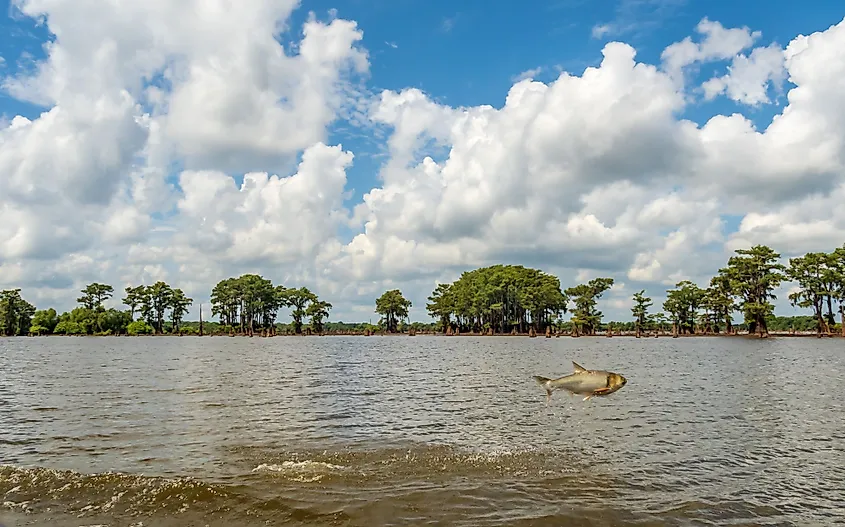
397	484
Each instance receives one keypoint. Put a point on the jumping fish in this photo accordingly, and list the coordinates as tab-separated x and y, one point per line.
583	382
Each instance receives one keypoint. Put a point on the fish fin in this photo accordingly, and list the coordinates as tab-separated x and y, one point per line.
578	367
544	382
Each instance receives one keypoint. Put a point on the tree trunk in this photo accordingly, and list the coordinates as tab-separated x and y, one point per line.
830	319
764	331
842	319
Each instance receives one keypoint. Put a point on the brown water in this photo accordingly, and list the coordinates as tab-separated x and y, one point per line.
419	431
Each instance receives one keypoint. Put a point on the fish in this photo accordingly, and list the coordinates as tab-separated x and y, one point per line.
583	382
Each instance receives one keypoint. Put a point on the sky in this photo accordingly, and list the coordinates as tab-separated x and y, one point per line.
355	146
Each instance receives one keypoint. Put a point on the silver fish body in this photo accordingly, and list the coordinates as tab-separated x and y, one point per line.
583	382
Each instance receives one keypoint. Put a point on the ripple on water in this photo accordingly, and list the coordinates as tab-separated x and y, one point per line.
369	431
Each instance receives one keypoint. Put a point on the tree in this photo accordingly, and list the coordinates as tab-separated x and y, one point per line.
318	311
719	298
393	307
683	303
251	302
15	313
838	264
178	304
585	317
113	322
440	305
226	301
44	321
498	298
640	310
660	321
754	273
672	307
94	295
813	273
159	297
134	298
297	300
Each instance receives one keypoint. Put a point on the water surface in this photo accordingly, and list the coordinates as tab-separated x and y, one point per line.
371	431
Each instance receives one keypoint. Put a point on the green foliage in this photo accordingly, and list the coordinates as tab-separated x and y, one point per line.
441	305
719	303
139	327
318	310
817	276
297	300
799	323
44	321
499	297
640	311
393	307
69	327
154	301
754	273
35	329
94	295
251	302
585	317
683	303
15	313
84	320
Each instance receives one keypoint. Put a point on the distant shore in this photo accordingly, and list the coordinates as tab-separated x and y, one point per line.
623	334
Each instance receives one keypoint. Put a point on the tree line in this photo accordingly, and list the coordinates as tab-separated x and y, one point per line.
496	299
245	305
746	285
251	303
155	304
511	298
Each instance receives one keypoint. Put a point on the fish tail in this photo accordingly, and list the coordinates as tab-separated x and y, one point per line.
542	381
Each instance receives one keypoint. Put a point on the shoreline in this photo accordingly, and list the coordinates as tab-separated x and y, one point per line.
632	335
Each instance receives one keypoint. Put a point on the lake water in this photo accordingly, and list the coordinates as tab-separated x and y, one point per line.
375	431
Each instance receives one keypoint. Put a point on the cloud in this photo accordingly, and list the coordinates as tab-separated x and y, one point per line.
448	24
600	30
633	17
208	154
576	174
749	76
528	74
719	43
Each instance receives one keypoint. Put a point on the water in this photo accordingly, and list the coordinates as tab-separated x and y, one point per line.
419	431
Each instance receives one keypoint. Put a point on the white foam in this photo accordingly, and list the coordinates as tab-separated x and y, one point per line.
304	471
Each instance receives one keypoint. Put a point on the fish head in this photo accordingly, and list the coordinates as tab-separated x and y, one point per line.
615	382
